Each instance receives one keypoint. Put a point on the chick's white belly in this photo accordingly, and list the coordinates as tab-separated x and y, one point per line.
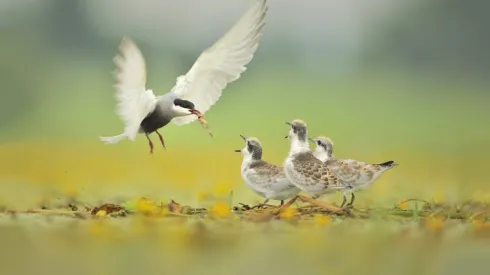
282	189
272	188
361	184
257	183
284	195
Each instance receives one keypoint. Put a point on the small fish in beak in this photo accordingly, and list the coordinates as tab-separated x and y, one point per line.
201	119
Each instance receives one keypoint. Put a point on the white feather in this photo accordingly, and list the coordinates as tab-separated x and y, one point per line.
134	102
221	63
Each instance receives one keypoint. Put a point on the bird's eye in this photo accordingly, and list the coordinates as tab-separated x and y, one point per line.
318	142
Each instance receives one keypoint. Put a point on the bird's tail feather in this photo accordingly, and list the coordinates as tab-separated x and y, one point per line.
114	139
388	164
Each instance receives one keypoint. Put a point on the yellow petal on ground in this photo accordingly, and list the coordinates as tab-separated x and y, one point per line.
288	213
147	206
435	224
438	197
220	210
322	220
101	213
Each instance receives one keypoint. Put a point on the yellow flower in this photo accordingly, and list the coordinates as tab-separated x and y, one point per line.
288	213
438	197
478	222
220	210
148	207
480	196
435	224
478	225
322	219
101	213
403	205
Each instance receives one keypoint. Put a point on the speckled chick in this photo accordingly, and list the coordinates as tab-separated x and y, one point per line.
303	169
265	179
357	175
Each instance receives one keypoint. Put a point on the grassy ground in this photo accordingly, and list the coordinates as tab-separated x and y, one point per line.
142	235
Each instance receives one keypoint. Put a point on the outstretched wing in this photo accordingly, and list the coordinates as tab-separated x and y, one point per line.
222	63
134	102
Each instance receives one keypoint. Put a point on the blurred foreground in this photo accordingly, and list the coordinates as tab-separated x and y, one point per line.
154	238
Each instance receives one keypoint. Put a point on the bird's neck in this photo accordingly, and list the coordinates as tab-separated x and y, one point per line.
248	160
298	146
321	154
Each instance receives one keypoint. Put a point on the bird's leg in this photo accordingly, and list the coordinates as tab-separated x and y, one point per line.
264	203
352	198
343	202
150	143
161	139
282	202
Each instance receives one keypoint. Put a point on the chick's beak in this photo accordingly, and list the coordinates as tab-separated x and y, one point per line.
288	123
312	140
244	138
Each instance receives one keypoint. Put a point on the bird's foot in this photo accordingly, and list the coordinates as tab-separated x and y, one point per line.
245	206
349	206
258	206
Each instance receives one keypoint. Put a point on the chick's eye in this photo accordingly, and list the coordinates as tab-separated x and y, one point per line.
318	142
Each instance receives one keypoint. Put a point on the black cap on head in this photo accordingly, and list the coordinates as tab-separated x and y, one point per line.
184	103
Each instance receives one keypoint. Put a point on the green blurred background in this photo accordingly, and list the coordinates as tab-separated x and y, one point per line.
386	80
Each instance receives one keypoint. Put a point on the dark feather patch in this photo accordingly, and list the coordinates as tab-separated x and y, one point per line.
184	103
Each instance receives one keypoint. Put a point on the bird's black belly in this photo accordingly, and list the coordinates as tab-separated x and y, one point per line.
154	121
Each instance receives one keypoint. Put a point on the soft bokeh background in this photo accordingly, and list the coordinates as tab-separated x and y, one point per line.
386	80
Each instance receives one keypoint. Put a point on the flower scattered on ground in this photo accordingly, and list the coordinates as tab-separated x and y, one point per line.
322	220
220	210
438	197
435	224
288	213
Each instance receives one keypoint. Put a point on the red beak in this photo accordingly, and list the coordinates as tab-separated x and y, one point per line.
195	112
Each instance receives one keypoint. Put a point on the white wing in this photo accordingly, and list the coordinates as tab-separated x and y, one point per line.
134	102
221	63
